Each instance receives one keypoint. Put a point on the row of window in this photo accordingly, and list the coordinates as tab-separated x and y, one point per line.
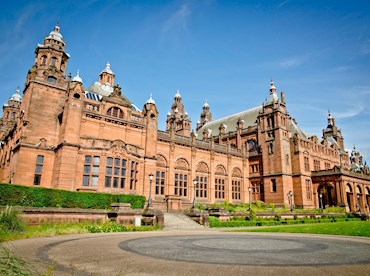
114	175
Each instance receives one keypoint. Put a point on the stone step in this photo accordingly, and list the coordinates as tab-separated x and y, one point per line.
179	221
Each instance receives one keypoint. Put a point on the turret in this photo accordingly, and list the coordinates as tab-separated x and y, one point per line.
178	119
205	116
51	59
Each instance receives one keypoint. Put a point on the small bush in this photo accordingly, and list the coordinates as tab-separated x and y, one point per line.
107	227
9	220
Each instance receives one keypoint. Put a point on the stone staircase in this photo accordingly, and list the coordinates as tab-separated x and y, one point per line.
179	221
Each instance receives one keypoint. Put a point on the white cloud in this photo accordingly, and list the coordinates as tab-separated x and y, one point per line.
291	62
178	19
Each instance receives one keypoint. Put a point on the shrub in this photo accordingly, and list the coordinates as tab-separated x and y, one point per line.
107	227
43	197
9	220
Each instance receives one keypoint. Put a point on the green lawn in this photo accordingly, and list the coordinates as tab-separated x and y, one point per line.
347	228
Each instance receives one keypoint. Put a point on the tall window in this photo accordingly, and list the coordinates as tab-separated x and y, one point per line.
236	189
133	175
306	164
181	184
53	61
220	188
43	60
273	185
91	171
308	189
115	112
201	189
115	173
316	164
327	166
38	169
160	178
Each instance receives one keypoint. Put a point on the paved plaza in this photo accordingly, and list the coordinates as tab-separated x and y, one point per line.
205	252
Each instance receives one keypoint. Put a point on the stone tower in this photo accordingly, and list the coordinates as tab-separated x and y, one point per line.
178	120
205	116
273	136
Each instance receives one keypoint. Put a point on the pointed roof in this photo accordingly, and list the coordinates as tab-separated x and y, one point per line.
206	105
177	95
273	96
56	35
16	97
150	100
107	69
77	77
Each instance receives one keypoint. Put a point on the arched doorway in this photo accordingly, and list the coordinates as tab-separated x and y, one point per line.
367	193
326	195
349	195
359	201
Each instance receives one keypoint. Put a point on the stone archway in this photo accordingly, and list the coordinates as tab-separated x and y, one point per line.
349	196
326	195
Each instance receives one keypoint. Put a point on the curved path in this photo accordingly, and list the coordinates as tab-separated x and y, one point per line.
205	252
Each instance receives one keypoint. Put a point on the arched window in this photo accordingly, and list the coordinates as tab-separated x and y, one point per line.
43	60
181	177
160	176
115	112
220	180
53	61
13	115
52	79
236	184
202	178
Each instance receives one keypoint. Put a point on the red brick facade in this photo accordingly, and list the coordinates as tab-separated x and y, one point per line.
64	136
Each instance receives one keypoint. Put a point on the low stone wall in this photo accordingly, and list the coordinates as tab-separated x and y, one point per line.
35	215
120	213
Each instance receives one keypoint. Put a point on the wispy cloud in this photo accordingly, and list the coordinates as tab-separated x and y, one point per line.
365	47
282	4
291	62
179	19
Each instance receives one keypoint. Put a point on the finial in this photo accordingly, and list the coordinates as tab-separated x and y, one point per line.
151	101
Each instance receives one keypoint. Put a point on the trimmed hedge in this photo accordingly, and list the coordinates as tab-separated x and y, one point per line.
16	195
215	222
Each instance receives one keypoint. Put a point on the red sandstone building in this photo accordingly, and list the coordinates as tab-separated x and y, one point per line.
95	139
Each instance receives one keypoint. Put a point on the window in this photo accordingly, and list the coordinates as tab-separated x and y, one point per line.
53	61
327	166
38	169
181	184
91	171
257	190
306	164
236	189
133	175
308	189
115	112
220	188
201	188
273	185
115	173
160	178
13	115
52	79
43	60
316	165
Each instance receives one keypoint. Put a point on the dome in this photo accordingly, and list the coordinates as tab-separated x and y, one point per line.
16	97
107	69
150	100
56	35
206	105
77	77
178	94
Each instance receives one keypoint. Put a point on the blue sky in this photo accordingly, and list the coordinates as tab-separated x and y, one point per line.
317	52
